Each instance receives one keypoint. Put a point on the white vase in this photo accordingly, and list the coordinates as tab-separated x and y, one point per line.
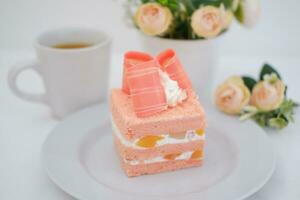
199	58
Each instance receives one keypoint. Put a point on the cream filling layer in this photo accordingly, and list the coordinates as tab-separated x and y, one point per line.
190	135
174	94
184	156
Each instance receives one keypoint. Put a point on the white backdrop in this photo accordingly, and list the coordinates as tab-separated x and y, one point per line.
277	33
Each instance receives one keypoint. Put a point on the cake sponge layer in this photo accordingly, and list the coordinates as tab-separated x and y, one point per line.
187	116
158	167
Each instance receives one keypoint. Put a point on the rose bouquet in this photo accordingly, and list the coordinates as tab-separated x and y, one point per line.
191	19
265	100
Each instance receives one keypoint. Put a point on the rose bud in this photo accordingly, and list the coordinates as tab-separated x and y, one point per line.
207	21
153	19
232	95
268	95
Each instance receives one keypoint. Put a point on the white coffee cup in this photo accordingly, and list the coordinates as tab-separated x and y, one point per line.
73	77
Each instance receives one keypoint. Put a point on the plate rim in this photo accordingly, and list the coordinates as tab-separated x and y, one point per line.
104	110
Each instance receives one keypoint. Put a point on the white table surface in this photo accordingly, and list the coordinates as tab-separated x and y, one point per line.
24	126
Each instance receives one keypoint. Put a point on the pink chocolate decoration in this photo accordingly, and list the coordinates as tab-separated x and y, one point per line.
132	58
170	63
146	90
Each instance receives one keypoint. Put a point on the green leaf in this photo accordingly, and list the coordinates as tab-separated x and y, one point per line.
285	90
260	119
286	109
286	106
249	82
246	116
171	4
217	3
278	118
239	14
263	117
189	6
277	123
227	3
145	1
267	69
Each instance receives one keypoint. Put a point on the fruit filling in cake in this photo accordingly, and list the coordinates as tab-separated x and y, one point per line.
150	141
158	122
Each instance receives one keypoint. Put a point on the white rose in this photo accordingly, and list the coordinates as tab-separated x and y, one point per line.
232	95
268	95
207	21
153	19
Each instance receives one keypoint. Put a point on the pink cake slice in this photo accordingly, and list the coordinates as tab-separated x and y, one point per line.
187	116
170	140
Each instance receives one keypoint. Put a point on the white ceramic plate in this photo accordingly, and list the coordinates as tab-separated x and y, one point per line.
80	158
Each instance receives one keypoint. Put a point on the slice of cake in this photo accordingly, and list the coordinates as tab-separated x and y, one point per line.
158	122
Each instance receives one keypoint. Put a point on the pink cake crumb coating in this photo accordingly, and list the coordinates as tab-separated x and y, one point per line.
187	116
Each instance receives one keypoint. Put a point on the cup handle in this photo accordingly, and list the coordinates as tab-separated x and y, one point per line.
13	74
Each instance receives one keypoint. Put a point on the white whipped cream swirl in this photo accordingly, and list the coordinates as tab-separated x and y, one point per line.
174	93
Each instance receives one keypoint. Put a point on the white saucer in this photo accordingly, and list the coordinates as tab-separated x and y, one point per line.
80	158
